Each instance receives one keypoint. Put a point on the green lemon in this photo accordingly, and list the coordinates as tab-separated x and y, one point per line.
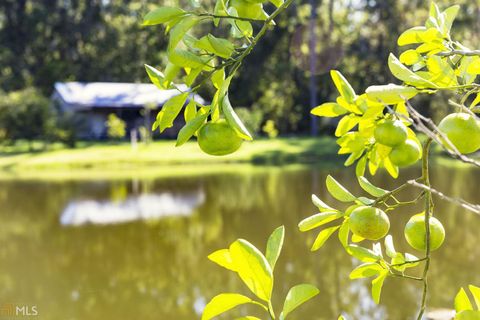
369	223
218	138
416	235
463	130
248	9
406	153
391	133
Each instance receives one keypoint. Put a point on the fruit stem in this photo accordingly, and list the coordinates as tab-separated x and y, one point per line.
428	213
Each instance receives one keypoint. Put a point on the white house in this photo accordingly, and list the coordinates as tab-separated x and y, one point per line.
96	100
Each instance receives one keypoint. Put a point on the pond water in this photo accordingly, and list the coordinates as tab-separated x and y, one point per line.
137	249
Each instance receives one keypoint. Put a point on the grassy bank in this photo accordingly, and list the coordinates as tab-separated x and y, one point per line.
160	157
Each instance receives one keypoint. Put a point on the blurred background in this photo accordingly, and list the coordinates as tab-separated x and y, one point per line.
100	219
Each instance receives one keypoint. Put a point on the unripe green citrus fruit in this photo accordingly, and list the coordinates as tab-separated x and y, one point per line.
391	133
218	138
405	154
463	130
416	235
369	222
248	9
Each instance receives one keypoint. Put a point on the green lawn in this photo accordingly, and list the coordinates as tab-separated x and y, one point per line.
158	158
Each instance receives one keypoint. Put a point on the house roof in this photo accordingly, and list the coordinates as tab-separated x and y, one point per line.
87	95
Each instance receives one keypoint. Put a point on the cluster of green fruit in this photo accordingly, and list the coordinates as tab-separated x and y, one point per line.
218	138
373	224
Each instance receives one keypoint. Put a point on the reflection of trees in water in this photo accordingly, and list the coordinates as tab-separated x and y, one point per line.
159	269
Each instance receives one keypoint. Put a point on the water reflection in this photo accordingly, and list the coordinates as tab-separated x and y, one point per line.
142	207
158	269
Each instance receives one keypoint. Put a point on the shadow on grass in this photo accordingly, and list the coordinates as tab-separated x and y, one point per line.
312	151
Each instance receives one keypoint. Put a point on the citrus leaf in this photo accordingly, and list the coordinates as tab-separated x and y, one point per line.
377	285
322	206
234	120
476	295
190	128
253	268
462	302
190	111
224	259
338	191
171	109
366	270
318	220
343	87
224	302
370	188
180	29
274	246
343	232
323	237
389	247
297	296
362	254
390	93
406	75
162	15
329	109
156	76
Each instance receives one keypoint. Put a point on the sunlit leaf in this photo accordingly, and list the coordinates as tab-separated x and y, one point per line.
329	109
468	315
462	302
370	188
318	220
234	120
343	87
323	237
366	270
362	254
390	93
274	246
180	29
171	109
223	258
224	302
403	73
344	231
297	296
190	128
338	191
476	295
253	268
377	285
162	15
322	206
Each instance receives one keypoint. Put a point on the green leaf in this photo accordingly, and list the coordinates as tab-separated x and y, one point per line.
362	254
274	246
346	124
318	220
277	3
253	268
322	206
403	73
361	165
190	128
217	46
329	109
297	296
180	29
234	120
192	76
156	76
343	232
366	270
370	188
377	285
224	259
412	36
338	191
462	302
390	93
190	111
323	237
171	109
410	57
162	15
218	77
224	302
343	87
389	247
187	59
476	295
468	315
450	15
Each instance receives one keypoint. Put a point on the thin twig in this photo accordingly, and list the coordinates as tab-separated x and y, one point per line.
469	53
475	208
